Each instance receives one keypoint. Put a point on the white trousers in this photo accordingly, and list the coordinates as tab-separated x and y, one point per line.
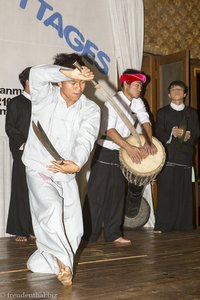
57	222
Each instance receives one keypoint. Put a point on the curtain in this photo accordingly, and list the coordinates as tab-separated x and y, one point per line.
127	19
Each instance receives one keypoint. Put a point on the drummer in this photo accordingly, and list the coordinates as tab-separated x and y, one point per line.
104	203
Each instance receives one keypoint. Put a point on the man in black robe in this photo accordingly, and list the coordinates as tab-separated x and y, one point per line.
177	126
17	125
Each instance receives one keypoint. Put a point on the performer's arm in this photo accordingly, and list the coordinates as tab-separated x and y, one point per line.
163	132
42	77
139	108
193	133
149	146
74	74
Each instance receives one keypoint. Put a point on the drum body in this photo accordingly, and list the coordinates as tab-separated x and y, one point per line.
148	169
142	217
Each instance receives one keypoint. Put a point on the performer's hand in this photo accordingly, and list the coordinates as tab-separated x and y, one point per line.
68	167
177	132
85	74
150	149
187	136
135	153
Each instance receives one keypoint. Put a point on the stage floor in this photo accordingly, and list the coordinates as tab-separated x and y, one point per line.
155	267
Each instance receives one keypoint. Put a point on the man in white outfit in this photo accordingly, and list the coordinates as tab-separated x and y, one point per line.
106	186
71	122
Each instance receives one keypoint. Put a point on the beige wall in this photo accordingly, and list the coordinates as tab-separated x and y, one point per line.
172	26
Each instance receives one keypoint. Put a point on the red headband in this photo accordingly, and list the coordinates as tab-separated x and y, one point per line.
129	78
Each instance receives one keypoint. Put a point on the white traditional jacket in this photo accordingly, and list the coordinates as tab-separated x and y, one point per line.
72	130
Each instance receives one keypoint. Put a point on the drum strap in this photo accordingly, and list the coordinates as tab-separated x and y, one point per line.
170	164
105	137
136	121
107	163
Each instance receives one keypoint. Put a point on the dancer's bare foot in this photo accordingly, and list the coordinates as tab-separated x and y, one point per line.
20	238
157	231
122	241
65	276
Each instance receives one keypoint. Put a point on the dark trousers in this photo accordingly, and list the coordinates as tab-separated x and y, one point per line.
19	217
106	199
104	204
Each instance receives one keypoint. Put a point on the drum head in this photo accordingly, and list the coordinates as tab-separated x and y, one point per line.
149	166
141	218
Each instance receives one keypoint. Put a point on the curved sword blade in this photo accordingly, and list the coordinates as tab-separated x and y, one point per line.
43	138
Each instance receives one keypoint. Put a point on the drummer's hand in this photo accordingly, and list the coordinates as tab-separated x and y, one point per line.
150	148
68	167
135	153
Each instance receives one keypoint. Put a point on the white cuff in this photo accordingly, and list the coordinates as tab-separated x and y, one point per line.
170	138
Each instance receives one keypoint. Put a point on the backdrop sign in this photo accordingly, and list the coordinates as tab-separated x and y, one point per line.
33	31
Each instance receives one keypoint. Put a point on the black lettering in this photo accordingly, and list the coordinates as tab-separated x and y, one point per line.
16	92
10	91
3	111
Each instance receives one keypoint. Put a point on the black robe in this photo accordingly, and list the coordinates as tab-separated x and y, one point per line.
175	202
17	126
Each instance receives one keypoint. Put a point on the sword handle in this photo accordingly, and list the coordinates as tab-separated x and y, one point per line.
79	67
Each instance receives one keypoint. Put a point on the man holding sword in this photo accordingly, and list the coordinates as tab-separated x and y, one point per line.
71	122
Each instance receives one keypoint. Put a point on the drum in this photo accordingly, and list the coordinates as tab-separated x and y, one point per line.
141	219
148	169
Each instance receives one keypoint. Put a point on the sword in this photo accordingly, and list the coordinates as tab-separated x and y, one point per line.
114	105
43	138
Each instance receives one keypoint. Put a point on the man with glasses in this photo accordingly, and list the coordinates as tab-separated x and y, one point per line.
177	126
106	186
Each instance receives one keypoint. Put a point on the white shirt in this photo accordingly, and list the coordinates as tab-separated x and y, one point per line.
133	110
27	95
72	130
177	107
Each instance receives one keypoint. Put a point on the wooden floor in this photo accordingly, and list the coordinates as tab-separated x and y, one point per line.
155	267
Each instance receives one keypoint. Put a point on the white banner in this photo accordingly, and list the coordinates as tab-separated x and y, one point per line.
33	31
